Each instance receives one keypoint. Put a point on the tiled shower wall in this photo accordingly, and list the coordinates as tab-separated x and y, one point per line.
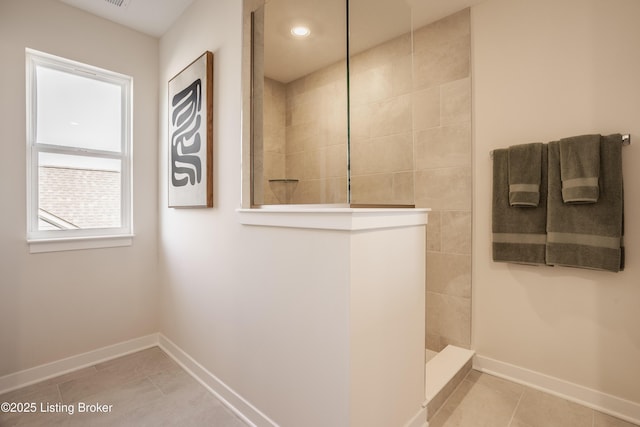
316	143
381	124
442	141
411	144
274	143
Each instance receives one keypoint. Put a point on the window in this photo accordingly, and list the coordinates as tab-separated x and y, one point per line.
79	151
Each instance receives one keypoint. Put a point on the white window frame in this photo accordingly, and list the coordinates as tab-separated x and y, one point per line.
56	240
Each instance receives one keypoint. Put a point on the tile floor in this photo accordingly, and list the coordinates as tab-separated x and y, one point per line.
146	388
484	400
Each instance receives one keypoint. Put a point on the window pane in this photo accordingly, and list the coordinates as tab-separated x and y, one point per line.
78	111
78	192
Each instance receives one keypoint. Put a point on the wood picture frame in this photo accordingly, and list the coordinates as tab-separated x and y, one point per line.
190	137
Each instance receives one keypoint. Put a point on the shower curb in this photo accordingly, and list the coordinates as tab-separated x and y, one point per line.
444	372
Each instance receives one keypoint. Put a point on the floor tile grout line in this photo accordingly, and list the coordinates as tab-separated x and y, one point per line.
451	394
59	392
513	414
156	385
109	388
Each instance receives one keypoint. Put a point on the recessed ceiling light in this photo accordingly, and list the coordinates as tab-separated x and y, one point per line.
300	31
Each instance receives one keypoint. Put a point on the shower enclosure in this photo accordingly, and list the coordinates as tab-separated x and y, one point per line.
379	118
372	108
333	121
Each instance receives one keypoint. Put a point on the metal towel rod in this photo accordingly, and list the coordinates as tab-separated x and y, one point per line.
626	140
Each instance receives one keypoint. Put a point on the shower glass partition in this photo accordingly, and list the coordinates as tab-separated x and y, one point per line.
380	89
300	138
331	107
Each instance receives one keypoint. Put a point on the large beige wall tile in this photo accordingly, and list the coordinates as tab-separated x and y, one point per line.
371	188
446	29
426	108
374	84
402	75
381	155
450	317
444	189
449	274
274	111
456	232
333	190
279	192
382	54
306	192
391	116
442	63
434	240
294	165
433	342
443	147
274	165
384	188
298	137
327	162
304	113
334	73
456	102
403	191
360	121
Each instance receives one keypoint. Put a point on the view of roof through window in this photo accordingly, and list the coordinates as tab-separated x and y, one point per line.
80	135
72	198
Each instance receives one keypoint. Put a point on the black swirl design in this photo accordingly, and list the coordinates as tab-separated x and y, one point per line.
186	167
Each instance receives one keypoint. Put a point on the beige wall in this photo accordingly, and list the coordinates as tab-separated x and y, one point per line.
60	304
256	306
544	70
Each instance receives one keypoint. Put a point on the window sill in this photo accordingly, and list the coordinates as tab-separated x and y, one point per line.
79	243
333	218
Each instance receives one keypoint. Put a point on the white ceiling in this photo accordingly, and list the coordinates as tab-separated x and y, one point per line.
286	58
153	17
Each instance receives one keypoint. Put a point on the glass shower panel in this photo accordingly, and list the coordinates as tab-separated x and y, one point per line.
300	148
381	104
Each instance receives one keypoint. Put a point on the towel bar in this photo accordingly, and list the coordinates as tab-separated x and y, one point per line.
626	140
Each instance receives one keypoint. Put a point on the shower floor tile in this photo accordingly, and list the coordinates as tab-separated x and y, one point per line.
485	400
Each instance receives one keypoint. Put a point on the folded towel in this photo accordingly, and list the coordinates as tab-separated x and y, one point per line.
588	235
580	168
524	174
519	235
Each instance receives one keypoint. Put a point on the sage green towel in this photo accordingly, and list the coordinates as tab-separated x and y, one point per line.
519	235
525	170
580	168
588	235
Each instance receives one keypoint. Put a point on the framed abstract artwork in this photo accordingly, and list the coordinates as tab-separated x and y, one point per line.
191	135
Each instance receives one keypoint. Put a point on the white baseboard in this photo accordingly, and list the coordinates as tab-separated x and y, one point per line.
224	393
611	405
60	367
419	420
236	403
